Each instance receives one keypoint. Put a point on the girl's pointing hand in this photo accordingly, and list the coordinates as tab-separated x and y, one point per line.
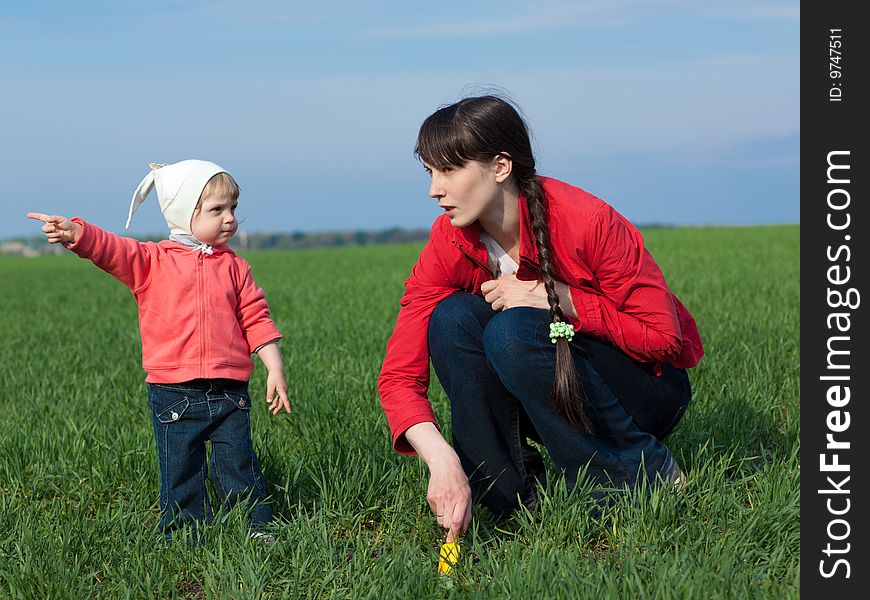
58	230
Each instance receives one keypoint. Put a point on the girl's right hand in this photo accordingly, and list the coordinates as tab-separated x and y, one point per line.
58	230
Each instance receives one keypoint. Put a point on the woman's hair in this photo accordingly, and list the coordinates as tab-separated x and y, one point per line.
479	129
221	184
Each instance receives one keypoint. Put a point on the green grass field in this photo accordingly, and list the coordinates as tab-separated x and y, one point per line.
78	470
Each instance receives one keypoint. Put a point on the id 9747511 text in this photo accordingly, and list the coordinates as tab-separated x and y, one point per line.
835	72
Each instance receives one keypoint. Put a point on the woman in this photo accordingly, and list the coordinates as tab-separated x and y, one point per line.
544	317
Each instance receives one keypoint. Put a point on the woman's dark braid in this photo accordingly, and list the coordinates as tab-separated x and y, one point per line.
542	241
567	396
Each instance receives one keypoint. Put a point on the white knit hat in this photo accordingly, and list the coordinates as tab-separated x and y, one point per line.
179	186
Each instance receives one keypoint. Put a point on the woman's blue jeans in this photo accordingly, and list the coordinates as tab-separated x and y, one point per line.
497	369
185	415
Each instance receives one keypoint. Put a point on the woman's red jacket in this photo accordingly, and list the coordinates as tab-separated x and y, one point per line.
618	291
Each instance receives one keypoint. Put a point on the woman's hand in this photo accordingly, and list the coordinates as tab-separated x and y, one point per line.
449	495
509	292
58	230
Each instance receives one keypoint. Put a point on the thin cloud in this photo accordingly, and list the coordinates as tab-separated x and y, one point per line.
547	16
758	13
543	18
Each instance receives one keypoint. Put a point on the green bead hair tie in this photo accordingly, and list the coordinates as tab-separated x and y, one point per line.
561	330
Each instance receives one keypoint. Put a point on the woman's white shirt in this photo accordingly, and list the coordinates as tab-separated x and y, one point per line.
499	260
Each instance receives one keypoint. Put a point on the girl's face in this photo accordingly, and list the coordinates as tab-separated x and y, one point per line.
214	222
466	192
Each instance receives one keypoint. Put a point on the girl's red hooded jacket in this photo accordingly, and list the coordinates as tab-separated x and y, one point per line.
200	315
618	291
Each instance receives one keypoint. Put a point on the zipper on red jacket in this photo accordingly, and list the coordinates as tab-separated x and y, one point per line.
201	285
474	259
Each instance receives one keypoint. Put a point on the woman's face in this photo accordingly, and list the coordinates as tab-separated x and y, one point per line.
466	192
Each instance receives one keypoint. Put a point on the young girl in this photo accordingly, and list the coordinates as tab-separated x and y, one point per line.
545	318
201	316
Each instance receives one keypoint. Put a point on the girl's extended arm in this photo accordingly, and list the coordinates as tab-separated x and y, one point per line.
276	385
125	259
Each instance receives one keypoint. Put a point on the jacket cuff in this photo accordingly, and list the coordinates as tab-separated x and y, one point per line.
260	335
400	443
85	243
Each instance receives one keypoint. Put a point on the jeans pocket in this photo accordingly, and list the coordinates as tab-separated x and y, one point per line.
241	401
174	412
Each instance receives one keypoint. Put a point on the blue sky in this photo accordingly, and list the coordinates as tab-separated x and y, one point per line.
675	112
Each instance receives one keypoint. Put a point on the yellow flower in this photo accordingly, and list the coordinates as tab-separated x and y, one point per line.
448	555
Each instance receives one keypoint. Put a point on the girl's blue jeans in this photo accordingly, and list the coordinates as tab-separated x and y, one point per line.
185	415
497	369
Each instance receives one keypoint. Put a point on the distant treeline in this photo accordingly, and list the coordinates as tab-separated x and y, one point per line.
244	240
299	240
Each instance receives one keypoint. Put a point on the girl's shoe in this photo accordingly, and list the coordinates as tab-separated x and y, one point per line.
676	478
267	539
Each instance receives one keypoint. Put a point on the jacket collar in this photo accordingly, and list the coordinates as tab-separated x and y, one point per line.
469	236
181	248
